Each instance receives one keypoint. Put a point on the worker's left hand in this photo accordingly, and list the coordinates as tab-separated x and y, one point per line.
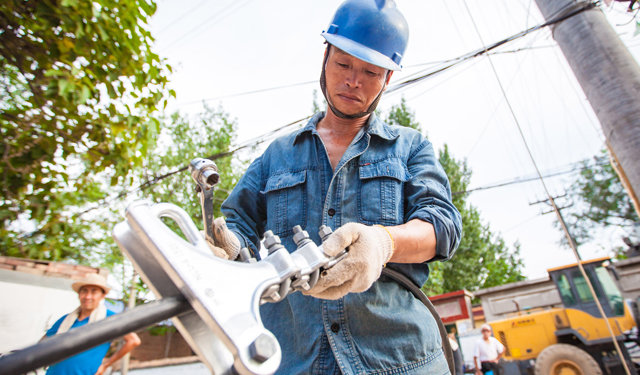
101	370
225	239
369	249
225	244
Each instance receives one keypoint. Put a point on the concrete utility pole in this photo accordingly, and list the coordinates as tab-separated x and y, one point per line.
610	77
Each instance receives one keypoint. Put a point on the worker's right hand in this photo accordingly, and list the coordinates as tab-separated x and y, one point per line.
369	249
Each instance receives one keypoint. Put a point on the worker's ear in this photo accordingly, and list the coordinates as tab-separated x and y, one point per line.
386	83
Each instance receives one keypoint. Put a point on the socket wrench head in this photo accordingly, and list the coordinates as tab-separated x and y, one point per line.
204	172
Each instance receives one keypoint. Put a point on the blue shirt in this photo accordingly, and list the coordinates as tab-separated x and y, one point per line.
389	175
85	363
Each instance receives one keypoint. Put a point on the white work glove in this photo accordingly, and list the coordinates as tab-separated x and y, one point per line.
226	245
370	248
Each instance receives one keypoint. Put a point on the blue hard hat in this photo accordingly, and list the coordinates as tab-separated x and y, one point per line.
372	30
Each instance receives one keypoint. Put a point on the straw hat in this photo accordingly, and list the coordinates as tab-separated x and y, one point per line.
92	279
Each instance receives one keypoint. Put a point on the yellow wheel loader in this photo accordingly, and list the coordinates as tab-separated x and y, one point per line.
572	340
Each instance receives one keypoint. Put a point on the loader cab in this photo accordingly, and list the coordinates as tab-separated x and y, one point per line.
575	293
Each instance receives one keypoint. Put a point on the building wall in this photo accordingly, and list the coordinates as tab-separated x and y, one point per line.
155	347
30	305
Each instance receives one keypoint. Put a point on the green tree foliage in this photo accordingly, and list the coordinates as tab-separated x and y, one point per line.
210	134
79	94
401	114
600	201
482	259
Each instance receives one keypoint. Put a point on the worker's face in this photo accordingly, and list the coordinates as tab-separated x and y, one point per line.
486	333
90	296
352	84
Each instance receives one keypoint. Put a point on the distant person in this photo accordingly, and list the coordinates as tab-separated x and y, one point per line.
457	354
488	352
90	291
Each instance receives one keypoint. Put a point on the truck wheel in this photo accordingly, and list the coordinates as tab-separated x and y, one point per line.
563	359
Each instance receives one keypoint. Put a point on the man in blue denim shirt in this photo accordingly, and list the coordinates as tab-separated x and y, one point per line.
379	187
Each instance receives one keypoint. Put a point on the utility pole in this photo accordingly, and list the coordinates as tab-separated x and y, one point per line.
610	77
547	201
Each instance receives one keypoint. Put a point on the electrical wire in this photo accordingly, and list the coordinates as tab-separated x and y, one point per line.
519	180
398	86
175	22
217	18
579	8
250	92
250	143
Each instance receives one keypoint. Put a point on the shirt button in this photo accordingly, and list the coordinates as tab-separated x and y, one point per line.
335	327
331	212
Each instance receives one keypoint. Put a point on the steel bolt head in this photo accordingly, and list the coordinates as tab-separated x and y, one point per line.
263	348
324	232
272	241
300	236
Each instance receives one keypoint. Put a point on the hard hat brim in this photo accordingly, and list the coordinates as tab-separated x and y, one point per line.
361	52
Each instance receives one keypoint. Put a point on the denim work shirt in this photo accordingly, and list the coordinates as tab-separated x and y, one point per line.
389	175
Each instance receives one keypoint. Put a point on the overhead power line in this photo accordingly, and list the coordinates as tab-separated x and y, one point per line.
519	180
175	22
250	143
316	81
427	72
395	87
210	21
485	50
250	92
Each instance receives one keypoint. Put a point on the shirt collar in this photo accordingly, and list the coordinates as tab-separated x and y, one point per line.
375	126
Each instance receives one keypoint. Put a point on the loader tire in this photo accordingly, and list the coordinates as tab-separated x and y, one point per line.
563	359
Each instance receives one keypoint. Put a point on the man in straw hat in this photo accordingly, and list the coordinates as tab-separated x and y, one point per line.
91	291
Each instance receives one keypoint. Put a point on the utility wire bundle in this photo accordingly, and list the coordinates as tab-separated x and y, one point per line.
570	11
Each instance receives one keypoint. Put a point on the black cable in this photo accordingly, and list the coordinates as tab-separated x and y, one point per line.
419	294
250	143
563	14
518	180
175	22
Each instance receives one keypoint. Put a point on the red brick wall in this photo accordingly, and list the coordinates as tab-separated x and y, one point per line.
154	347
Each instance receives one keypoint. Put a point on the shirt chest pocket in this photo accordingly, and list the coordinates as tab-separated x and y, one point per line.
286	202
380	195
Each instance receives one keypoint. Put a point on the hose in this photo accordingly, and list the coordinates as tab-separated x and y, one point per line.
417	292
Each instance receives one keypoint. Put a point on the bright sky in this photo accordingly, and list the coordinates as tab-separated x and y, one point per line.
221	48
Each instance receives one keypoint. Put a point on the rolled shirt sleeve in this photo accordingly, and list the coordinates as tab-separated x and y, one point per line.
428	198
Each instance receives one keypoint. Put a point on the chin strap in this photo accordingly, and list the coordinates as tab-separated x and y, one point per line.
323	86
